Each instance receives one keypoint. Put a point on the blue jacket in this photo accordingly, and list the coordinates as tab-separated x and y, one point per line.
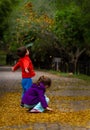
34	95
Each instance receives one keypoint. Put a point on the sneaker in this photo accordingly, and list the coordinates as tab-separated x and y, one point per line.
22	105
30	109
34	111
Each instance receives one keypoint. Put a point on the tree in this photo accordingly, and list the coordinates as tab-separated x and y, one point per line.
28	25
70	29
6	7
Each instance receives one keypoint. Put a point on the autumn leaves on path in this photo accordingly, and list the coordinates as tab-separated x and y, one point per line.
69	97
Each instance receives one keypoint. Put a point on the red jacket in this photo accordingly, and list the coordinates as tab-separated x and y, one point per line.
23	63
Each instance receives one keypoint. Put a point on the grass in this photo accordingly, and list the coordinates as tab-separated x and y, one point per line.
79	76
3	60
82	76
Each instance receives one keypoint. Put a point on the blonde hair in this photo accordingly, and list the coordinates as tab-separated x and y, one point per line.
45	80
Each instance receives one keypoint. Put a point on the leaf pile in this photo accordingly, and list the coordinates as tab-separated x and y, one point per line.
12	114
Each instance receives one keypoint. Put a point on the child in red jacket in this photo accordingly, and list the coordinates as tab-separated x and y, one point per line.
27	68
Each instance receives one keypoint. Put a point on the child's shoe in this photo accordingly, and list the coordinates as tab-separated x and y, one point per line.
34	111
22	105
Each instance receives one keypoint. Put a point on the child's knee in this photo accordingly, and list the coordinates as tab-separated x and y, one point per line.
47	99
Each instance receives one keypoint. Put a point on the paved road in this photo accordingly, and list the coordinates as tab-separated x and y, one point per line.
11	81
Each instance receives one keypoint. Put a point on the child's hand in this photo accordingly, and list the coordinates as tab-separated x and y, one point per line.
26	70
49	109
27	53
12	69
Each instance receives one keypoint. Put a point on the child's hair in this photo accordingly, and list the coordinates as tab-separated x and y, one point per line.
21	51
45	80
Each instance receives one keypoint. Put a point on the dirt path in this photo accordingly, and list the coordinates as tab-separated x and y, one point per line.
61	86
70	95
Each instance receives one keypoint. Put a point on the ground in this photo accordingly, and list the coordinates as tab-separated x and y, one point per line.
69	98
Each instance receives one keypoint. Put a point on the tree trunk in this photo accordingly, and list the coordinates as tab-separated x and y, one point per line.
75	57
75	66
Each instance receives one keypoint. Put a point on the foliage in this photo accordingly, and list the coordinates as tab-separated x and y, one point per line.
70	29
27	24
6	7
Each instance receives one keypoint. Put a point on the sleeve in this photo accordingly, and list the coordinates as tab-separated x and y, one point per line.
42	98
16	66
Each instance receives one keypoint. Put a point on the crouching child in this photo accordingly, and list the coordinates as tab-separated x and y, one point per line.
35	98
